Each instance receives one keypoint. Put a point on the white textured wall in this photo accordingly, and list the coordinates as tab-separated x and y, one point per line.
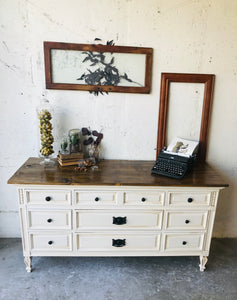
198	36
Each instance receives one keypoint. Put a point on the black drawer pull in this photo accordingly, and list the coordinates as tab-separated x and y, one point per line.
187	221
118	242
97	198
47	198
119	220
50	242
49	220
190	200
143	199
184	243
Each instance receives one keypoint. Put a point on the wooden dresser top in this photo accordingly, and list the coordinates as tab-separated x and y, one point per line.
111	172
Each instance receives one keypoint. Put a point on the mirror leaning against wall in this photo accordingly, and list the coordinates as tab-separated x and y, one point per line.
185	109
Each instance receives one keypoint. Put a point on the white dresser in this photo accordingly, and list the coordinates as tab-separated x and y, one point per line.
118	210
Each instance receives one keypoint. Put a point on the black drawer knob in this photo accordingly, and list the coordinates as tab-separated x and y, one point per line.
50	242
190	200
143	199
97	198
118	242
49	220
184	243
187	221
119	220
47	198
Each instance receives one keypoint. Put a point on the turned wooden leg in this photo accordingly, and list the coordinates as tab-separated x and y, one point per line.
27	260
203	261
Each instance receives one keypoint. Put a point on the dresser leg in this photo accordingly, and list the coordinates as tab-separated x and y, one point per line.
203	261
27	260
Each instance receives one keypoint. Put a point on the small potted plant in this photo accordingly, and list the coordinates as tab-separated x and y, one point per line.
64	144
74	138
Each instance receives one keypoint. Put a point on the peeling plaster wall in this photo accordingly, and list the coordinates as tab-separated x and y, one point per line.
197	36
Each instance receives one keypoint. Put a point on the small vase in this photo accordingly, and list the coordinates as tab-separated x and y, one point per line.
94	152
94	155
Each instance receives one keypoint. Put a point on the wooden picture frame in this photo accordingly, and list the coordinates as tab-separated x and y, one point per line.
166	79
97	68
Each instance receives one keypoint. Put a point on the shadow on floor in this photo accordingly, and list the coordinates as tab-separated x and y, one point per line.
127	278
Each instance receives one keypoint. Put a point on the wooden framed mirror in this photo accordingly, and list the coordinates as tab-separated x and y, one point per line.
199	114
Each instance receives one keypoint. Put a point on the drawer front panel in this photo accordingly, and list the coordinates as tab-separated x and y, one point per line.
48	197
191	199
144	198
51	242
115	242
186	220
183	242
49	219
96	198
118	220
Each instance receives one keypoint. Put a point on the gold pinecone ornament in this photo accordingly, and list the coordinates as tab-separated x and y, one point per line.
46	136
45	125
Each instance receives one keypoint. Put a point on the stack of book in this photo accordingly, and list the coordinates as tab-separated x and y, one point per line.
69	159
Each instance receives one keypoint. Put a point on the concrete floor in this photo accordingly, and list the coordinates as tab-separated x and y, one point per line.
142	278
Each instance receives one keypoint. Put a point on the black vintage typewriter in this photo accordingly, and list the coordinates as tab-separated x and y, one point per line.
171	165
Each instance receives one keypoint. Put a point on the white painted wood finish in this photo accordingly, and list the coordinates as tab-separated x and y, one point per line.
79	221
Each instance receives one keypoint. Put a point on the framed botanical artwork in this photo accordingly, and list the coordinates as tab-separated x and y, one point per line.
97	68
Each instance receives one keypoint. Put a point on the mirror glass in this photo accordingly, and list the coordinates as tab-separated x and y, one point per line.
184	111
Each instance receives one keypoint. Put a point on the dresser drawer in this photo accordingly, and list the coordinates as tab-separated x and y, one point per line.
48	197
186	220
189	199
183	242
51	242
115	242
144	198
97	198
49	219
118	220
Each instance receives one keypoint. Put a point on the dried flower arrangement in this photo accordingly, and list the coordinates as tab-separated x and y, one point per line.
93	142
